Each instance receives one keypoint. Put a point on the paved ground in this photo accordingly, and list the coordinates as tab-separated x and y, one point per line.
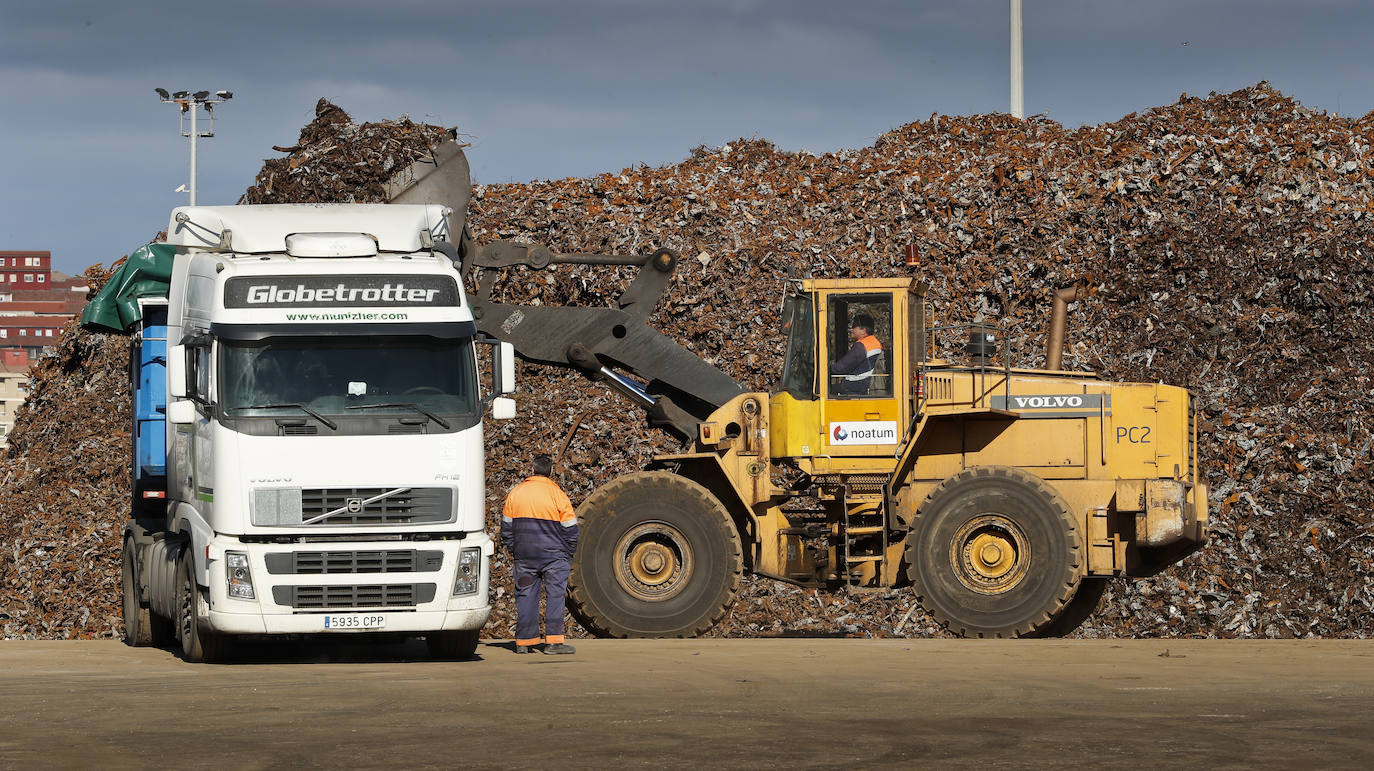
692	703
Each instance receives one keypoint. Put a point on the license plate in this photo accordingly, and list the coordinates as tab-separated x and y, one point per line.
354	621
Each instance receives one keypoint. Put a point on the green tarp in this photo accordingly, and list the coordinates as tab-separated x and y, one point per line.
146	273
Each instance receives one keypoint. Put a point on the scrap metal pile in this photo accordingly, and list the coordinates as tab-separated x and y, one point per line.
65	479
1225	242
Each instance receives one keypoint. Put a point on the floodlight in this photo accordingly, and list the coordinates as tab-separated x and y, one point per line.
162	92
180	95
202	95
225	94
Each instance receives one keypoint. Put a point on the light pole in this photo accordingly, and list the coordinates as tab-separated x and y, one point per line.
190	104
1018	104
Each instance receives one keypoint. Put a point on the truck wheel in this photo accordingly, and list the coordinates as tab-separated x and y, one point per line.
198	644
993	552
138	627
658	556
456	645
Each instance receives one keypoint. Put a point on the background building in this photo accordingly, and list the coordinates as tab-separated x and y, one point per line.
35	303
14	387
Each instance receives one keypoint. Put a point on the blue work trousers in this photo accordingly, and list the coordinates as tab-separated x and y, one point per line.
552	573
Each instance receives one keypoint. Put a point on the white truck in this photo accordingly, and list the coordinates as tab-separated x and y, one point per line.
308	454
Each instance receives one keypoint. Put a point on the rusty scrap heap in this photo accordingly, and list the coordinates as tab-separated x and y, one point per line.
1225	242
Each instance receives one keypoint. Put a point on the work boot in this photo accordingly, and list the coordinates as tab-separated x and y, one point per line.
524	649
559	648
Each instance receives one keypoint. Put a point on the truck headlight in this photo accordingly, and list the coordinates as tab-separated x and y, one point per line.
469	574
238	578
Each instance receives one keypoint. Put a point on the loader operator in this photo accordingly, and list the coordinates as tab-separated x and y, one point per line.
855	368
539	528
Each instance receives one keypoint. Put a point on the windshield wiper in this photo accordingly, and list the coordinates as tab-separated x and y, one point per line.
407	405
284	405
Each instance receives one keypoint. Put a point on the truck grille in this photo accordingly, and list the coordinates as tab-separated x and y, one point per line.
326	562
361	596
341	506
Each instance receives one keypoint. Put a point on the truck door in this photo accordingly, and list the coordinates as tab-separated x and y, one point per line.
199	380
860	374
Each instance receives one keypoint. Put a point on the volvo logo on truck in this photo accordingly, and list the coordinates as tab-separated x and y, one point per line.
340	291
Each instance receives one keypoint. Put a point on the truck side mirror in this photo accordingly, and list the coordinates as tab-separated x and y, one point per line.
181	411
176	374
505	376
502	408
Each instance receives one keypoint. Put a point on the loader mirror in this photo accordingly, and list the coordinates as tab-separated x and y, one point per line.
502	408
181	411
176	373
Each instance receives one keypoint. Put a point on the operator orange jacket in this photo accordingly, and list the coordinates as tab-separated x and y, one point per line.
538	522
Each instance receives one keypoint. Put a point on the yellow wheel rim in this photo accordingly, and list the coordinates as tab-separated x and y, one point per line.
990	554
653	561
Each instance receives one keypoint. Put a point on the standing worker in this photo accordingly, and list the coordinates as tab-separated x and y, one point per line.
539	527
856	366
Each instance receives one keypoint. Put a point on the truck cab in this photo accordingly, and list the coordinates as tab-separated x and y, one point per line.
324	465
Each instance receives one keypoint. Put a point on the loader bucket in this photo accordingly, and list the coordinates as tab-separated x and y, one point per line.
443	178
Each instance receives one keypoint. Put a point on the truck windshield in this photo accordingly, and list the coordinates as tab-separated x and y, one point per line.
398	374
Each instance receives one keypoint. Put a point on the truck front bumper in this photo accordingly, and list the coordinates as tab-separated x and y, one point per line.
417	622
291	599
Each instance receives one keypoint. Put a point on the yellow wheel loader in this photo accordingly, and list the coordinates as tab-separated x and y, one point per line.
1005	497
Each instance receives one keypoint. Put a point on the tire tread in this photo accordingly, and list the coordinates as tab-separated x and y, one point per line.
1046	616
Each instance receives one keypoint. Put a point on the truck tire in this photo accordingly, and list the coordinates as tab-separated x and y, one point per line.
658	556
138	626
454	645
993	552
198	644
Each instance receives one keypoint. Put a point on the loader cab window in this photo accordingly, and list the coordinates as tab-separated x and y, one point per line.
799	366
859	339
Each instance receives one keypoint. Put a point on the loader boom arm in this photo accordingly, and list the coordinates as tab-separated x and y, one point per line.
675	387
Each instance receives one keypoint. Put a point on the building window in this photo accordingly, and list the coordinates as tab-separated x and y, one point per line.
42	277
28	277
31	262
4	333
13	278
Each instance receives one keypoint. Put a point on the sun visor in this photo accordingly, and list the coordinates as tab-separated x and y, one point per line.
264	229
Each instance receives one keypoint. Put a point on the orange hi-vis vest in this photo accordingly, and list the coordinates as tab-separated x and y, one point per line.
538	521
872	349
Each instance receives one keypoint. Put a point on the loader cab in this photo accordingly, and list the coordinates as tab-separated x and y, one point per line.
845	388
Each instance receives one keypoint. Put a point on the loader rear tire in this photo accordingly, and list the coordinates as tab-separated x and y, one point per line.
138	624
994	552
658	556
1079	609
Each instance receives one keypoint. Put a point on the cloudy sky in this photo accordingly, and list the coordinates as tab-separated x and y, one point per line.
548	89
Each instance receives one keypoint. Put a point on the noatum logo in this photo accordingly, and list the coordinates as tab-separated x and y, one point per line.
340	291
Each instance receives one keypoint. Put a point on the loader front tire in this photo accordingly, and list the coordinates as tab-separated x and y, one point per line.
658	556
993	552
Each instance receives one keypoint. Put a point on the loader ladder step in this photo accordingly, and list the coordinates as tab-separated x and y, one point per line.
865	530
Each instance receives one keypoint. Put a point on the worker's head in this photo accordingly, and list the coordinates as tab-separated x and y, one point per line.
860	326
543	465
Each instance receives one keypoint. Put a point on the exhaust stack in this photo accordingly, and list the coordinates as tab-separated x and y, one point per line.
1058	317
